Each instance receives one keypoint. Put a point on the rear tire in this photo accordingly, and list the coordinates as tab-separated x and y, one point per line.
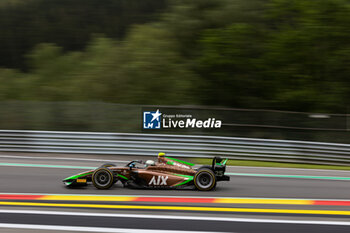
108	165
205	179
102	178
205	166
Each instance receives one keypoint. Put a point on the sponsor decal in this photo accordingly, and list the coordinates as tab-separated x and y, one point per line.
178	164
158	180
81	180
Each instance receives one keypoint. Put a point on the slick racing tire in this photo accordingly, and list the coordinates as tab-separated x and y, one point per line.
205	179
102	178
115	178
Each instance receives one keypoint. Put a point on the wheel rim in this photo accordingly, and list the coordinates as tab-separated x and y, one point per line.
102	178
205	180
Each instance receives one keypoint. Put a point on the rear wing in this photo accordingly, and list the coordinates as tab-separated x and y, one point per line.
219	167
218	161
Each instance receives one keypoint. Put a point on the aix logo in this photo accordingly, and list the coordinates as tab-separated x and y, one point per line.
158	180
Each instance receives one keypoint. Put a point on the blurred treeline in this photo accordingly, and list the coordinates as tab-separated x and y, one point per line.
274	54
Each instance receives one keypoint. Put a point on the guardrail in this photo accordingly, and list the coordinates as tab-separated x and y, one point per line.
175	145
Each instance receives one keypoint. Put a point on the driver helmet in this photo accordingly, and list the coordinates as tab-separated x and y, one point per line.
150	163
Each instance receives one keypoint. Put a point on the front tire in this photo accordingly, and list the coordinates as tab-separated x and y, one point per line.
205	179
102	178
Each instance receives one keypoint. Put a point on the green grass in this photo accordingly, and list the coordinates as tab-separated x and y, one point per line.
272	164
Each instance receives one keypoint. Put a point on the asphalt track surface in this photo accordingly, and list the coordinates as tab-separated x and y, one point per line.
47	180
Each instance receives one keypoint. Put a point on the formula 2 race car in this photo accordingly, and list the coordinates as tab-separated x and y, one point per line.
165	173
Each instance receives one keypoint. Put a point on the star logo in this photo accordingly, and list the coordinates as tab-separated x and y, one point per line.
156	115
152	120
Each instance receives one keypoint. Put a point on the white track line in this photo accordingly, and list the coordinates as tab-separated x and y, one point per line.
173	217
126	161
90	229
